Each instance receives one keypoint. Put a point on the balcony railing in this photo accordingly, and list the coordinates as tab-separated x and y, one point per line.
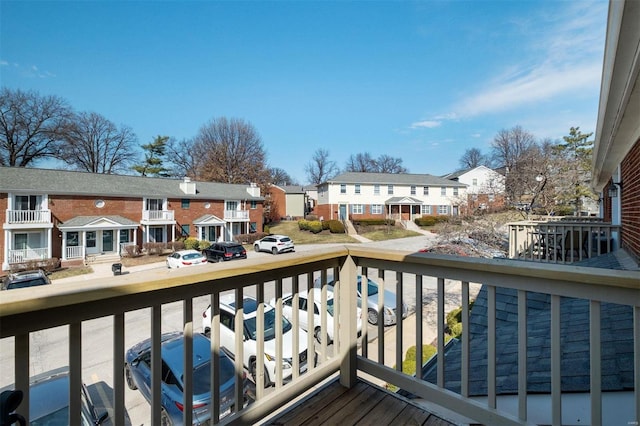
75	252
158	215
28	254
242	215
28	216
561	241
438	283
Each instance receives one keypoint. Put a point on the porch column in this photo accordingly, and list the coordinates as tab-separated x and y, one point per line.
84	244
118	249
8	243
49	243
173	232
64	245
348	336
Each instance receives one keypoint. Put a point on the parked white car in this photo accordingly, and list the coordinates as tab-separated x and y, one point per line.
249	335
303	303
185	258
275	244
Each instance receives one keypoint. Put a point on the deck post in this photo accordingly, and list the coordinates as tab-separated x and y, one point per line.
348	333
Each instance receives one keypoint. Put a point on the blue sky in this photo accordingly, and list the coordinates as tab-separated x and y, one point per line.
422	81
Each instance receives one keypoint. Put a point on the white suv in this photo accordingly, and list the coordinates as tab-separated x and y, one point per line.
275	244
228	337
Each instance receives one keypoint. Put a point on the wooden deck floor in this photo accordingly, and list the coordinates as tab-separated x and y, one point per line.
364	404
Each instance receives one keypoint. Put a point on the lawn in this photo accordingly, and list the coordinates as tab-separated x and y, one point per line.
290	229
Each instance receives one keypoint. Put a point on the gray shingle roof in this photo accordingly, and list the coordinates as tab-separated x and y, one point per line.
616	335
80	221
63	182
394	179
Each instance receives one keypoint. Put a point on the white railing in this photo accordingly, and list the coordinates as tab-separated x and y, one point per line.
438	283
28	254
28	216
236	214
561	241
159	215
75	252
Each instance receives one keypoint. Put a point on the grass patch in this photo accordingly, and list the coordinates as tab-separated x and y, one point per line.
70	272
290	229
391	234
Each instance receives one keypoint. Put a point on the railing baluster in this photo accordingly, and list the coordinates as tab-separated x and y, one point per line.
187	321
556	359
398	325
419	331
156	363
215	358
464	358
441	323
595	363
491	346
278	354
365	312
118	369
522	355
636	358
22	357
380	313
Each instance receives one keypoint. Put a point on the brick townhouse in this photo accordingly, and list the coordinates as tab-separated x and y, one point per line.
71	215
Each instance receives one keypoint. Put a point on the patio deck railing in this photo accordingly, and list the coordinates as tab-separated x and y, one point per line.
28	216
561	241
443	282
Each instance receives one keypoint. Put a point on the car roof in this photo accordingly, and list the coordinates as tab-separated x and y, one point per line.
249	304
173	352
188	251
317	294
229	243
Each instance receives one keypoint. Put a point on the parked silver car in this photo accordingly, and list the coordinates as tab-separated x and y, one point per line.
389	308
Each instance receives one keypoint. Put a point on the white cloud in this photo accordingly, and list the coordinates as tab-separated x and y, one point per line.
429	124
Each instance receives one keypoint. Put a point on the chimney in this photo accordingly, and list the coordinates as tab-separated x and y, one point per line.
254	190
187	186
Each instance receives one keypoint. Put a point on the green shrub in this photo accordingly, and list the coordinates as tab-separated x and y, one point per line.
456	330
409	363
191	243
315	226
336	227
374	222
303	225
325	225
204	244
267	229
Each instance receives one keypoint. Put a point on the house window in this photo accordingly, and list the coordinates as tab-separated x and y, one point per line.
413	190
156	234
376	208
492	197
443	191
124	235
357	208
455	191
425	190
254	204
253	227
443	209
390	189
474	182
73	239
231	205
357	188
91	239
185	203
343	188
27	202
20	241
376	189
184	230
425	209
154	204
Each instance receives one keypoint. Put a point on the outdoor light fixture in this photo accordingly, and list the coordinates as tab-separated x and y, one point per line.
613	189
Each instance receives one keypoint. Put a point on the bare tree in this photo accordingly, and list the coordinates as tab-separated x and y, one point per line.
94	144
31	126
231	151
281	177
472	158
509	146
321	167
362	162
182	159
388	164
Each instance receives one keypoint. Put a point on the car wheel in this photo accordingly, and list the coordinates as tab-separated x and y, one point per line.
372	316
129	378
165	420
274	250
252	370
256	248
218	259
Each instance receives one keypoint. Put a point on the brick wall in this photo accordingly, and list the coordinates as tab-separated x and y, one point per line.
630	200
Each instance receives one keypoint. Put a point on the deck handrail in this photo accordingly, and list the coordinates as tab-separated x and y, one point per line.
71	304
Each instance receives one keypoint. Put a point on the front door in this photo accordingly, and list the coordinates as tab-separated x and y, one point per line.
107	240
343	212
92	246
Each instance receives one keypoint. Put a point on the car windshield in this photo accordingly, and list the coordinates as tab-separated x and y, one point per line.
372	288
269	325
190	256
26	283
202	375
330	306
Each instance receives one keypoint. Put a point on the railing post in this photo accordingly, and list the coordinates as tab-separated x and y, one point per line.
347	315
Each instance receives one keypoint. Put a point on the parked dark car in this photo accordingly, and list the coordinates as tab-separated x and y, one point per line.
137	372
228	250
25	279
49	400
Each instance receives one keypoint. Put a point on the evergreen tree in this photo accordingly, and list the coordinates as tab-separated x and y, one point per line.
153	158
